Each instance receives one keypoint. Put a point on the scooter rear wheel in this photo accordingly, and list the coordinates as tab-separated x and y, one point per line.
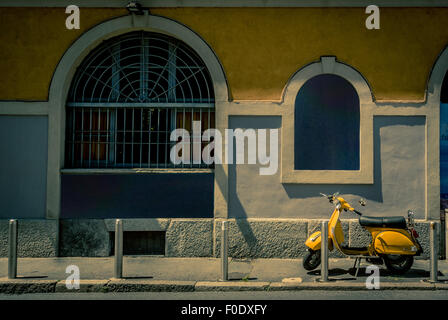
311	260
398	264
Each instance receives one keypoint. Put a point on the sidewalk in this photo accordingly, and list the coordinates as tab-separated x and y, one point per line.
144	273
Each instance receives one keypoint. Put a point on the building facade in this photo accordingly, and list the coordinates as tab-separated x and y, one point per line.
86	117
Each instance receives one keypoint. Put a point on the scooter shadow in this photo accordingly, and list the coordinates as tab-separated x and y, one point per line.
31	277
236	276
413	273
335	273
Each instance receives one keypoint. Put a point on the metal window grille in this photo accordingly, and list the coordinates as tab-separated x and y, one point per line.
129	95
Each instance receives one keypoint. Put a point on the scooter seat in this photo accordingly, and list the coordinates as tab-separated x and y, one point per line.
383	222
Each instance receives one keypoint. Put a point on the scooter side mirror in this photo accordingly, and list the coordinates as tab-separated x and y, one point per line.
362	202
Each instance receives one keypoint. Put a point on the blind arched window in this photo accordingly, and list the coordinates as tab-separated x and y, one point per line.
326	125
128	95
443	145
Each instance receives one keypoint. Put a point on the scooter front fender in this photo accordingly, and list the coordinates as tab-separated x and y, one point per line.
314	241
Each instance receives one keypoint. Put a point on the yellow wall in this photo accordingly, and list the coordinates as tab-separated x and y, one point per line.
260	48
33	41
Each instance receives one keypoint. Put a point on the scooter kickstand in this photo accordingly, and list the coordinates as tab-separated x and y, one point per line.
357	260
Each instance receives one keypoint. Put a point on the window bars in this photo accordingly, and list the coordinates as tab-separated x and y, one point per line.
129	95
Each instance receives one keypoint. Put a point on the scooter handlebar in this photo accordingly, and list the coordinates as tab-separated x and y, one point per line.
357	212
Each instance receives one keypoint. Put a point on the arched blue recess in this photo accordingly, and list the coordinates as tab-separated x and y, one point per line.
326	130
444	140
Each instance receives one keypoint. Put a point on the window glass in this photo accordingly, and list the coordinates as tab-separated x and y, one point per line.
126	98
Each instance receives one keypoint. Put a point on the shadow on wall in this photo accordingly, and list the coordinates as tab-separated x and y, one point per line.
372	192
399	177
235	207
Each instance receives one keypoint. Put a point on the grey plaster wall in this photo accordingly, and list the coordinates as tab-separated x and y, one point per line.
399	177
23	166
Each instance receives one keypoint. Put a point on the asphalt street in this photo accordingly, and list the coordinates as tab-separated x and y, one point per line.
248	295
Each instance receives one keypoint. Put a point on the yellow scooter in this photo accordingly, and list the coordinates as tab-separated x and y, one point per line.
393	241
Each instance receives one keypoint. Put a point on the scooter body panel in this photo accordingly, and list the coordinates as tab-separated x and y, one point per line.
393	241
335	224
314	241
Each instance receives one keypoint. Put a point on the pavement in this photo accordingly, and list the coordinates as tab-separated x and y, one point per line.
164	274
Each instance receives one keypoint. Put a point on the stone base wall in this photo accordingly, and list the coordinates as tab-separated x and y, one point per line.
281	238
90	237
248	238
36	238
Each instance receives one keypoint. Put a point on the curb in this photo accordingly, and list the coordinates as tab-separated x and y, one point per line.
22	285
230	286
84	286
139	285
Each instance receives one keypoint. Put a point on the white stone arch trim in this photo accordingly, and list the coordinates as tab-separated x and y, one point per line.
432	105
92	38
76	53
436	77
328	65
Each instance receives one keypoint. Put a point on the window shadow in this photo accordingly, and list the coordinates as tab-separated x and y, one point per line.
235	207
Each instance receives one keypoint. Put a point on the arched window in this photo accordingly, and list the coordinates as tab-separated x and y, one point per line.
444	140
128	95
444	90
326	125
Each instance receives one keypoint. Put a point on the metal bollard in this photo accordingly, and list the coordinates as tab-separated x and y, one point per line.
224	252
12	250
434	252
118	258
444	234
324	252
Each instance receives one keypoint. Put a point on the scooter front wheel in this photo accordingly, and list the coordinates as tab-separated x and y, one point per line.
311	260
398	264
